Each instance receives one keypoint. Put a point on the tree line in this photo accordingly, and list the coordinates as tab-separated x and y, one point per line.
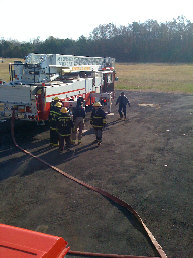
149	41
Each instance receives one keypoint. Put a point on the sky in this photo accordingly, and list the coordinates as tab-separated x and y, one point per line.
25	20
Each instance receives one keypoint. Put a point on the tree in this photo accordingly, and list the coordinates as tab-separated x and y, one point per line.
150	41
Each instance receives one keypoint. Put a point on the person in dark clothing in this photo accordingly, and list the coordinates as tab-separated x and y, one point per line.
78	119
123	101
53	117
98	121
54	101
80	101
64	128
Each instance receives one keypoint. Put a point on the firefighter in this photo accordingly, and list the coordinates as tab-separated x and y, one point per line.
64	128
53	117
78	119
54	101
123	101
80	101
98	121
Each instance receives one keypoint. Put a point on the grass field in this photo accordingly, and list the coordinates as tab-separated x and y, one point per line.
155	77
143	77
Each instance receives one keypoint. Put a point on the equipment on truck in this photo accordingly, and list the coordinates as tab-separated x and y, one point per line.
34	83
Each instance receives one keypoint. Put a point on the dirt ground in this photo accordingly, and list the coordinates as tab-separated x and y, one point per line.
145	161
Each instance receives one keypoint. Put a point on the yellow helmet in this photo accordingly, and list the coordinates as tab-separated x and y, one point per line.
55	98
64	110
97	104
58	104
39	91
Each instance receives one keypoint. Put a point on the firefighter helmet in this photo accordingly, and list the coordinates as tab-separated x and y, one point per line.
56	98
97	104
39	91
58	104
64	110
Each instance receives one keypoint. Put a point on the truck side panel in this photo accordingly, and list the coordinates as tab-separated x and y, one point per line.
68	90
15	94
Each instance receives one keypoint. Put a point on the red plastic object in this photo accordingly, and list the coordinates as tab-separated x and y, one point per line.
23	243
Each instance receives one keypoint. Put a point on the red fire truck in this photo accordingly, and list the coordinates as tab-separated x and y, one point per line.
35	82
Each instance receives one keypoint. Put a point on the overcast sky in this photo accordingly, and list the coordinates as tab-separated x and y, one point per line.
26	20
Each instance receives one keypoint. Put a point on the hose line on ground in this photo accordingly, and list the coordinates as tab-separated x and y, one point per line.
102	192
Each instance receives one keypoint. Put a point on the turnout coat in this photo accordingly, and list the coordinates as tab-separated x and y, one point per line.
98	118
64	124
53	117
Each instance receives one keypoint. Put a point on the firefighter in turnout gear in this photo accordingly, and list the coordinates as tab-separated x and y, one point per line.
123	101
54	101
78	119
64	128
98	121
53	117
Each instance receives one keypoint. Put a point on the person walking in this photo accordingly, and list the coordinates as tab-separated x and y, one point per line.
123	101
54	101
53	117
78	119
80	101
98	121
64	128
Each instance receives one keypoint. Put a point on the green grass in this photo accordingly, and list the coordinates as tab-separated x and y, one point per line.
155	77
143	77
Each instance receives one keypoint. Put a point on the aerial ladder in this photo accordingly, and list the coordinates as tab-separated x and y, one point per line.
41	77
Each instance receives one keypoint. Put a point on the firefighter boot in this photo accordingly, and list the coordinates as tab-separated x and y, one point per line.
121	116
99	142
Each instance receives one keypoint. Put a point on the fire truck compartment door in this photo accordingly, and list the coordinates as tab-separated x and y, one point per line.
15	94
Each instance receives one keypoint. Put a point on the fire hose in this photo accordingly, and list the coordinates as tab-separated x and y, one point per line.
109	196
